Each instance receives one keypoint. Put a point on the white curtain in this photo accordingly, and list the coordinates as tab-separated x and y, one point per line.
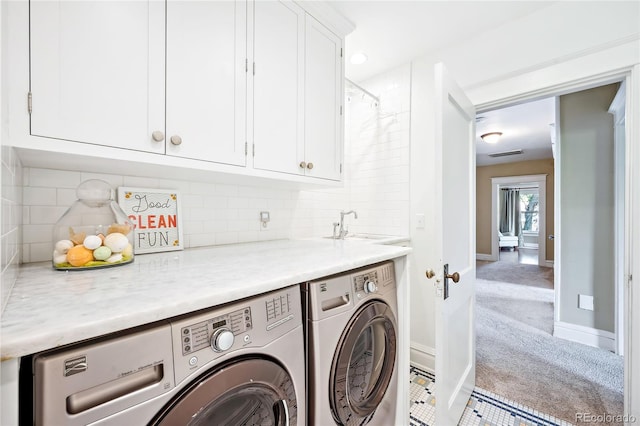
510	211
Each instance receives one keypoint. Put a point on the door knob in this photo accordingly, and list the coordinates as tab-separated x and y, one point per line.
430	273
176	140
455	277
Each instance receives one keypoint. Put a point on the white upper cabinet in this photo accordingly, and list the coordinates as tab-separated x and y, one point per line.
323	91
297	93
207	80
278	98
97	72
202	84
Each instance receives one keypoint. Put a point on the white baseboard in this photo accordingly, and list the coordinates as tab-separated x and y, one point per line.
586	335
423	357
549	263
482	256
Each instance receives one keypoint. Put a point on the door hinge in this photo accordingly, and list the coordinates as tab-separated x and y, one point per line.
340	109
245	148
340	167
254	150
254	68
30	102
341	52
246	65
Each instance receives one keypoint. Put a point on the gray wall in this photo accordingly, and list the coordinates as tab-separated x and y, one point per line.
587	207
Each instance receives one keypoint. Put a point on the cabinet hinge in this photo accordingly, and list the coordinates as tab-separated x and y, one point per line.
254	68
340	109
246	65
341	52
29	102
245	148
254	150
340	167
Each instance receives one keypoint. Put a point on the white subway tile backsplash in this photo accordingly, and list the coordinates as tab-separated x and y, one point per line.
143	182
48	178
114	180
35	196
227	238
37	234
45	214
202	239
12	216
226	190
41	251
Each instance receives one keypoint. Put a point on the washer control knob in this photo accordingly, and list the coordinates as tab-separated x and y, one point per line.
222	340
370	287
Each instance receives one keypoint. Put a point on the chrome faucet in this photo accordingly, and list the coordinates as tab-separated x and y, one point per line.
343	232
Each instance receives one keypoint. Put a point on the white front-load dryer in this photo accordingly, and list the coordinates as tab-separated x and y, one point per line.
351	340
237	364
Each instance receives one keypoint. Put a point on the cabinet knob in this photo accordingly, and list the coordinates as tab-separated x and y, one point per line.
303	164
157	136
309	166
176	140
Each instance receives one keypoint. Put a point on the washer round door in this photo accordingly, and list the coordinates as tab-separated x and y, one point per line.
244	392
363	364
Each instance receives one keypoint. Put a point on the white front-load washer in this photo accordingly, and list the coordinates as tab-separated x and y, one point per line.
351	340
236	364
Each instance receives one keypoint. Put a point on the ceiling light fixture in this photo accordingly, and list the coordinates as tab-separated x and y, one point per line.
492	137
358	58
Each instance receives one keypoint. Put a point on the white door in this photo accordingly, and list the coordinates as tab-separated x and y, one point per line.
207	80
323	98
278	87
455	243
97	72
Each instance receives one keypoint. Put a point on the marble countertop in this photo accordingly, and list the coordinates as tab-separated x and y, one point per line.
49	308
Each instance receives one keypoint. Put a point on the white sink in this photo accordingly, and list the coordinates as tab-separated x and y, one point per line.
366	237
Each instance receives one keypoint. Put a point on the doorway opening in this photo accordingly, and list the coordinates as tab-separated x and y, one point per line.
519	217
525	305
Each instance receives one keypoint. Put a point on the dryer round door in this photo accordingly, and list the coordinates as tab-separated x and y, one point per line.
244	392
363	364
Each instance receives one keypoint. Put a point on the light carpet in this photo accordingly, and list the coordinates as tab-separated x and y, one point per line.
517	356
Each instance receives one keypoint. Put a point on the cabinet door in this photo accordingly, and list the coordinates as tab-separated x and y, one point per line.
97	72
278	87
323	99
206	80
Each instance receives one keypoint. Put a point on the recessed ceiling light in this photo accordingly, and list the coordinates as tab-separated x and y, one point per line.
358	58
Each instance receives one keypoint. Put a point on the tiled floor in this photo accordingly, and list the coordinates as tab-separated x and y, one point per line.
484	408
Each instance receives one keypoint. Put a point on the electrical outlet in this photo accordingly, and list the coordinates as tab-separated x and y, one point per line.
420	221
585	302
265	217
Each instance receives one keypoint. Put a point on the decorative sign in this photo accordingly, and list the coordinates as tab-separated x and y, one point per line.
156	213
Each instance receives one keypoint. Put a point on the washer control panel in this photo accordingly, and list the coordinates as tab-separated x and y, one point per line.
242	327
367	282
217	332
376	280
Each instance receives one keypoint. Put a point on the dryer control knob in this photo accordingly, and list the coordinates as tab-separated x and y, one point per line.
370	287
222	340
